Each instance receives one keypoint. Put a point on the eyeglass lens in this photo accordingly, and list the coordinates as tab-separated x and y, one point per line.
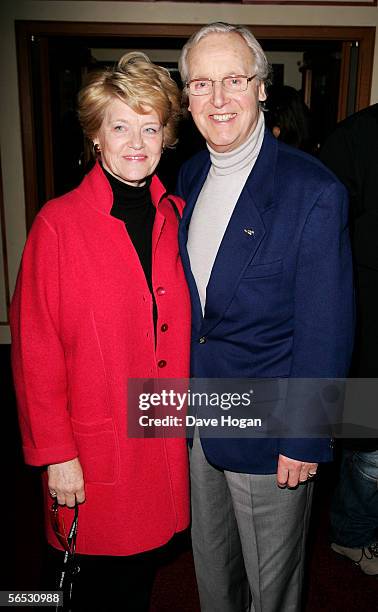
201	87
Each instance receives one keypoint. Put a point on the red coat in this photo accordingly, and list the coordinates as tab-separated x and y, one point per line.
81	321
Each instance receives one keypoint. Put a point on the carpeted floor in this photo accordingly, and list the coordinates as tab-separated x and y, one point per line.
333	584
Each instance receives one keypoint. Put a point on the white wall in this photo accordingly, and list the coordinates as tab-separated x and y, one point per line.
291	61
138	12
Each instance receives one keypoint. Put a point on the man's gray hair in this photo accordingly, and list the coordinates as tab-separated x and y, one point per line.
262	66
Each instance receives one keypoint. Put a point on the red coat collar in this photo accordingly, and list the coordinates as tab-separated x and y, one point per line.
95	188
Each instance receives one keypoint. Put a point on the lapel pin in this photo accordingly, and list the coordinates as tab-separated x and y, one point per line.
249	231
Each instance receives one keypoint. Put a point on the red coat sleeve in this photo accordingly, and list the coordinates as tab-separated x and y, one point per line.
38	362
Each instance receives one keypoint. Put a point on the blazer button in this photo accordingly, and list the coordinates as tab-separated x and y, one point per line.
164	327
160	290
162	363
202	340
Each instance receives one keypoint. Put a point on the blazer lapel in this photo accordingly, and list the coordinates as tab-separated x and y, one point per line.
240	242
243	235
191	196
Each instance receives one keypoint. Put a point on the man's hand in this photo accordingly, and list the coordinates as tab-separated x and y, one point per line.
66	482
291	472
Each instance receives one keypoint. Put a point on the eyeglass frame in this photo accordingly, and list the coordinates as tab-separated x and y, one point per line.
212	81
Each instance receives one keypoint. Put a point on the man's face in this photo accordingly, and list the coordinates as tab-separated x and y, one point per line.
225	119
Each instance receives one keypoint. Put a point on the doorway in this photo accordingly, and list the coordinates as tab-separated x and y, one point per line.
54	58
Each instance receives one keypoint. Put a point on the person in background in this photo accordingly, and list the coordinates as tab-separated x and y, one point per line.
96	303
265	248
288	117
351	151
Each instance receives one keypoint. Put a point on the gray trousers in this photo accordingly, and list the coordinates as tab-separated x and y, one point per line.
248	539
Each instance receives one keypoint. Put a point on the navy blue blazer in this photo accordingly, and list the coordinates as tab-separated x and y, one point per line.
279	301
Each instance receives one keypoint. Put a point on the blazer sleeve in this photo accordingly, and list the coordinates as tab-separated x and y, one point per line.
38	360
324	313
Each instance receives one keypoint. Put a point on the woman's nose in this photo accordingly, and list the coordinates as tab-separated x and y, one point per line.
136	140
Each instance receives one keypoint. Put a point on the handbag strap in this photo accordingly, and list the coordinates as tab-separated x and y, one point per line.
70	567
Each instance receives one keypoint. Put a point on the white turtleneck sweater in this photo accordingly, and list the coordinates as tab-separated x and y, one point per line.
216	202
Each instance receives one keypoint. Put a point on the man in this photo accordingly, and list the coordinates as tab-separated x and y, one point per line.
351	152
264	243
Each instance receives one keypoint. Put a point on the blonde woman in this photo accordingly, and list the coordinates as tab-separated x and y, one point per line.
101	298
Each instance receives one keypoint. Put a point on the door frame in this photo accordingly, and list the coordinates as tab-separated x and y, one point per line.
27	31
4	251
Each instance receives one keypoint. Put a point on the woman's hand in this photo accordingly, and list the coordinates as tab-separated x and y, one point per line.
66	482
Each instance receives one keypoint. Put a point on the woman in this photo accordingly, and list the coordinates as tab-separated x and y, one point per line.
100	299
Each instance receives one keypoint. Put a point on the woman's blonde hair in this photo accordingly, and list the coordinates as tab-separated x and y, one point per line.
139	83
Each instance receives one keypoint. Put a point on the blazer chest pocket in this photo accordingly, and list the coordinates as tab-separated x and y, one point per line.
263	270
98	450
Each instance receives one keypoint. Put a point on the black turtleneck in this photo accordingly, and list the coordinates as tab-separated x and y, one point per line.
133	206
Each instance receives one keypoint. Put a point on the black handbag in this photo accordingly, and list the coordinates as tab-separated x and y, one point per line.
70	567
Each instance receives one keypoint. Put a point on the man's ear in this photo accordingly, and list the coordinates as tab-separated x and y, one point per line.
262	92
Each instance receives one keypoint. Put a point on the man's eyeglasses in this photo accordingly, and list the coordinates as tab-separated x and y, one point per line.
203	87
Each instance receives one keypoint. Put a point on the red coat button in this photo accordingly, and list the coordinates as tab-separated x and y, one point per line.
164	327
160	291
162	363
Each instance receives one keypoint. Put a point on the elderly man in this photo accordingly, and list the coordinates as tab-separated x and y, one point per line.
264	242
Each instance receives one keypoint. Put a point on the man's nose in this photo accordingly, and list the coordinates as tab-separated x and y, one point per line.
219	95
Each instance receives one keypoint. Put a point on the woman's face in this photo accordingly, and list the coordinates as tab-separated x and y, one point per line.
130	144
